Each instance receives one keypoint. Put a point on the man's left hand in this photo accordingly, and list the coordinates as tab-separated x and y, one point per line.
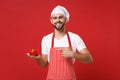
67	52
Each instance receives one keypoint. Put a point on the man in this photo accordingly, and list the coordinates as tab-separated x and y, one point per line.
61	48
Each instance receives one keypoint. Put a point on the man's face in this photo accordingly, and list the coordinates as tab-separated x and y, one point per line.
58	21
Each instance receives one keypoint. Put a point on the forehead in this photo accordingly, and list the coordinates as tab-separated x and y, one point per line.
57	15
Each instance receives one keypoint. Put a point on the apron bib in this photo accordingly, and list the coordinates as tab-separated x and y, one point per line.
60	68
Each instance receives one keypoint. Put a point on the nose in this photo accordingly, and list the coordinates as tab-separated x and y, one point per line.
57	20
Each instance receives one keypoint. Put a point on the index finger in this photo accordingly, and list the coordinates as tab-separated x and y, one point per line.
28	54
59	49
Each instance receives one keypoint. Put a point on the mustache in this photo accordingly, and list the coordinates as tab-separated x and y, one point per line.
58	22
58	28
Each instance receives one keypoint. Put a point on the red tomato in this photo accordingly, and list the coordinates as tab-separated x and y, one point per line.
33	52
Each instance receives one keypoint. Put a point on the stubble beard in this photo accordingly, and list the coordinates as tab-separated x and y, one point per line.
59	28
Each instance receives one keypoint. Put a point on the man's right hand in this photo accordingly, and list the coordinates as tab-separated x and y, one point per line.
42	60
33	57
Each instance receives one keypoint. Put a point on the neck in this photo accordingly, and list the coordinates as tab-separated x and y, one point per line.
59	34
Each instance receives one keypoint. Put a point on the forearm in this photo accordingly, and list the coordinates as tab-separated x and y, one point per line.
42	62
86	58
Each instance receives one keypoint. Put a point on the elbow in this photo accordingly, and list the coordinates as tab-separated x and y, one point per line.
43	65
89	60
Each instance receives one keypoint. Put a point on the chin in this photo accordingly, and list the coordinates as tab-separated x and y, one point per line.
59	29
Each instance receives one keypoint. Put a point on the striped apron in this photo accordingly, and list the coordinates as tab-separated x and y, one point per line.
60	68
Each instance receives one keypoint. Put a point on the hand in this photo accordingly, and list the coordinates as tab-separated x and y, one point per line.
67	52
33	57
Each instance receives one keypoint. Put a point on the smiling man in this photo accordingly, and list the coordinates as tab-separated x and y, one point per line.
59	48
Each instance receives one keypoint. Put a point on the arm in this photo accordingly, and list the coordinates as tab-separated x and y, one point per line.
83	56
42	60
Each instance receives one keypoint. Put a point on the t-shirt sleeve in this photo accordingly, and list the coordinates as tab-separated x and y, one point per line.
44	46
80	43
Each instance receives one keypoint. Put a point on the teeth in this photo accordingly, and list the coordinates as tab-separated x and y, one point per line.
58	24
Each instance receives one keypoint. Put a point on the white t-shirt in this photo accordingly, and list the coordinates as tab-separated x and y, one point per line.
76	43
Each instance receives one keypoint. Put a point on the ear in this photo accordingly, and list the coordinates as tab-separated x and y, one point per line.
66	20
50	19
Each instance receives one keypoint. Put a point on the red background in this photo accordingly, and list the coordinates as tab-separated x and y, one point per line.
23	23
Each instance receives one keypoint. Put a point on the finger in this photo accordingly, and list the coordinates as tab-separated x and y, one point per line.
65	48
38	56
28	54
66	56
60	49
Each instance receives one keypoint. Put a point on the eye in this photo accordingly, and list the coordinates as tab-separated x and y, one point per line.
54	17
61	17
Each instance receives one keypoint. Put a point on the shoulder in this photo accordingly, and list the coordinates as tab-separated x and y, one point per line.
73	35
47	37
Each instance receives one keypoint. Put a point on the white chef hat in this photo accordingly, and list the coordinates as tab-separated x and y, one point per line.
61	10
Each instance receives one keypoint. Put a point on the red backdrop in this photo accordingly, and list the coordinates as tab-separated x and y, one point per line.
23	23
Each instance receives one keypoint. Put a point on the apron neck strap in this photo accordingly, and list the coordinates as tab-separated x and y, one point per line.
69	42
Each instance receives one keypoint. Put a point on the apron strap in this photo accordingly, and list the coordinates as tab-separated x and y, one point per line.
69	42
